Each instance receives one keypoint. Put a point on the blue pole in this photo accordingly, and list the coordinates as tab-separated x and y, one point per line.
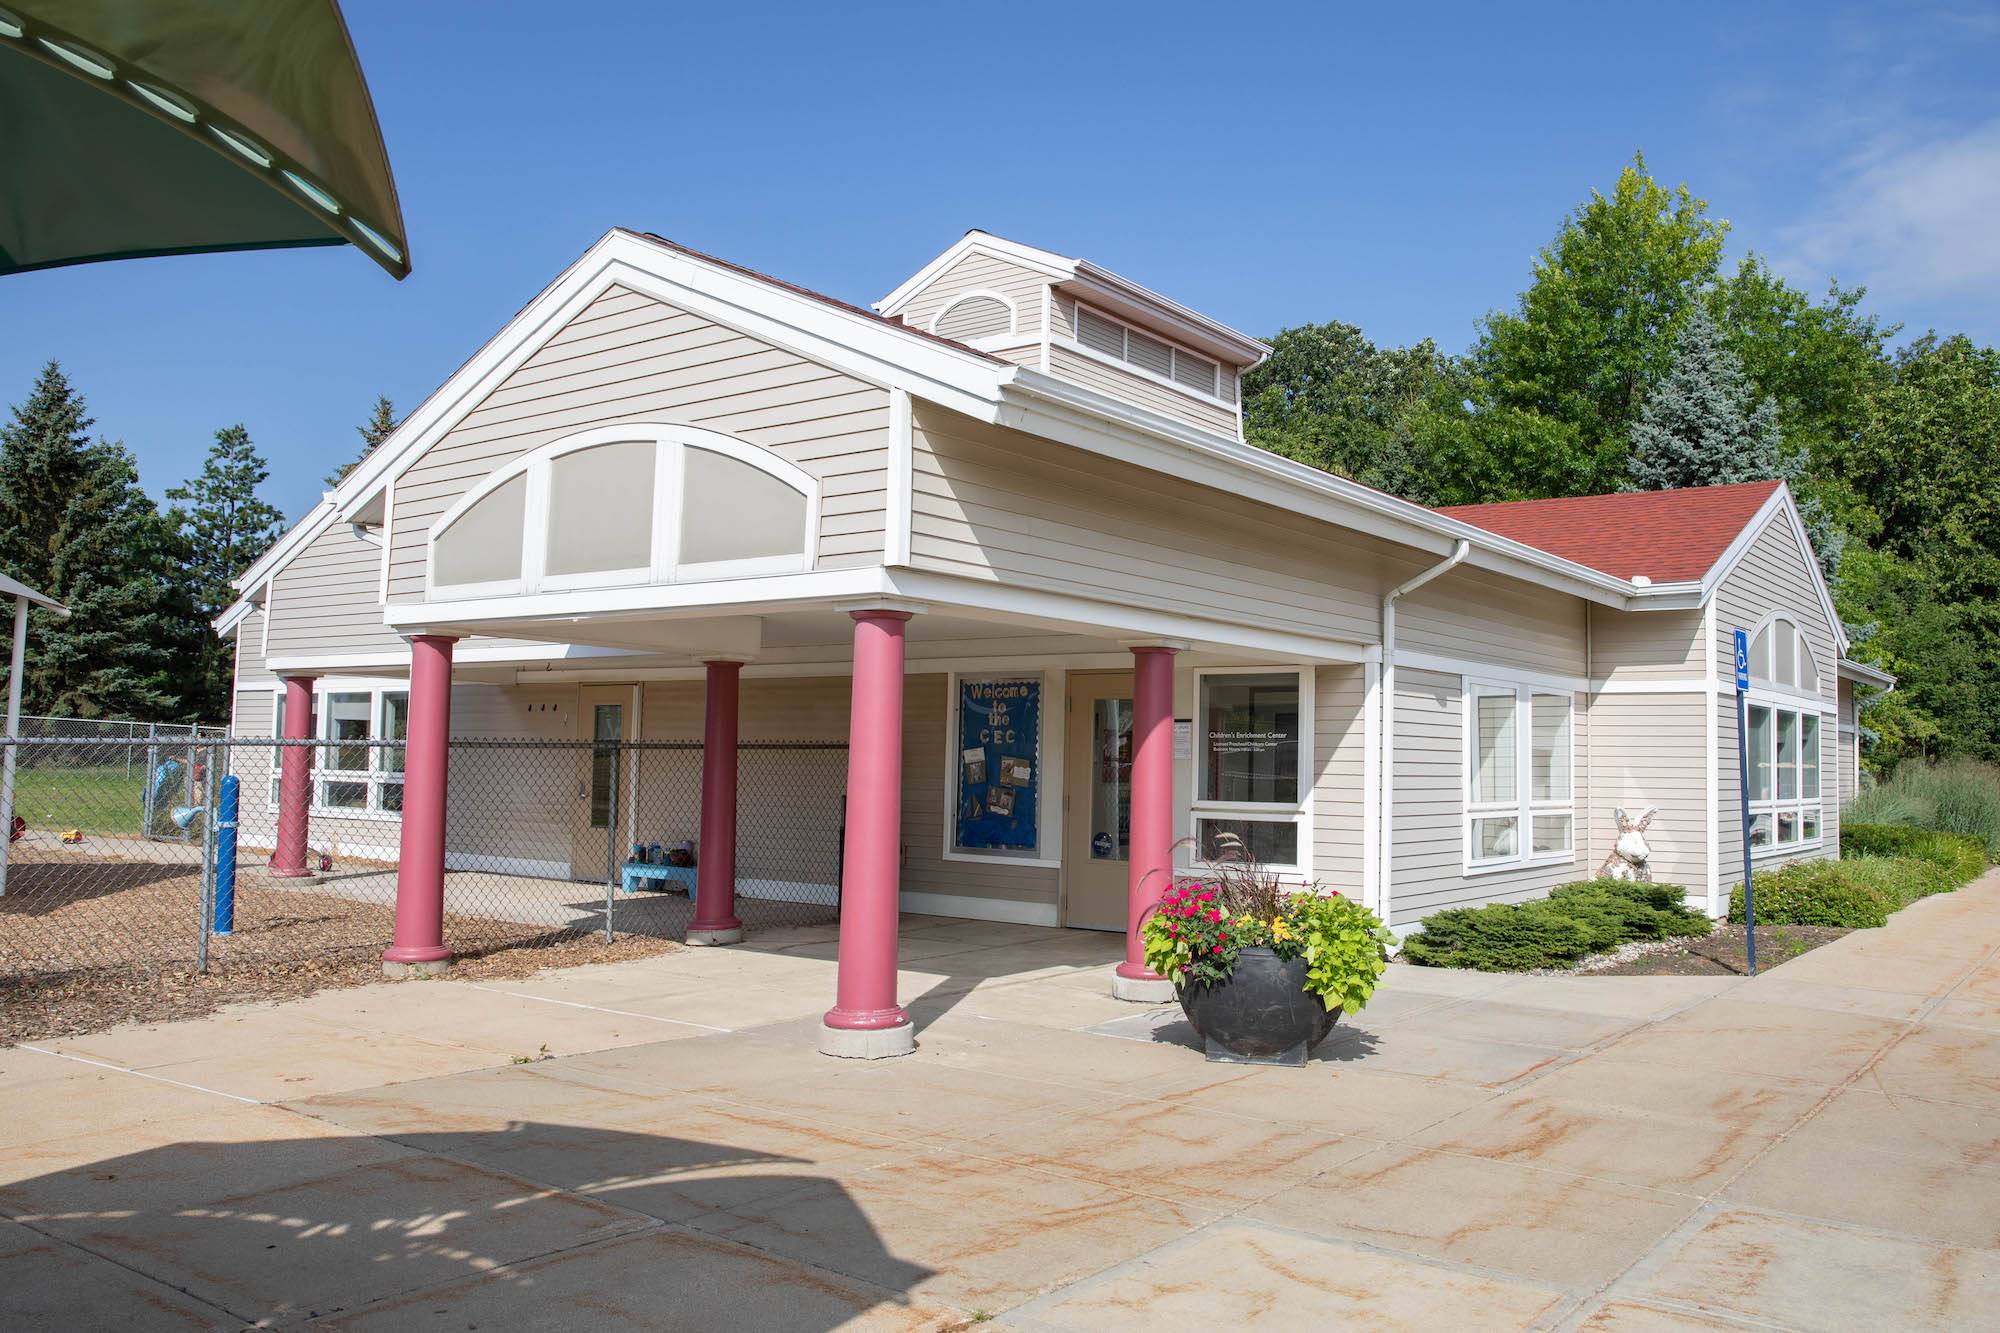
225	857
1743	790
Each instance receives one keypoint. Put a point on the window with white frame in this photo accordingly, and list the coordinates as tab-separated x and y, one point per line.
1520	797
625	505
351	775
1784	753
1153	356
1249	756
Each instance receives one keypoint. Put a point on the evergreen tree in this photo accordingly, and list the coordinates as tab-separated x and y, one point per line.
75	524
381	421
222	526
1699	428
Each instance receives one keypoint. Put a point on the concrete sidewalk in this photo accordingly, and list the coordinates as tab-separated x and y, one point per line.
656	1144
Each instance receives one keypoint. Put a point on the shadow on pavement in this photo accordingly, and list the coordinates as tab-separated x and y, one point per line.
600	1228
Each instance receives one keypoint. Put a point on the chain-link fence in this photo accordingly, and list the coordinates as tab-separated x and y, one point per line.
546	841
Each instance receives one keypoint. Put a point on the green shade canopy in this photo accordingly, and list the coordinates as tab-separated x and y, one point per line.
159	127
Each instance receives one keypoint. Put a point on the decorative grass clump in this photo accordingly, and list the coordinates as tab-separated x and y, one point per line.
1962	855
1855	892
1952	796
1575	920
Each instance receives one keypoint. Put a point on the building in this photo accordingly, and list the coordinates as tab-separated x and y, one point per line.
1004	534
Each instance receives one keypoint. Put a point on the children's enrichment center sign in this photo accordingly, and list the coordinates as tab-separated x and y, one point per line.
999	725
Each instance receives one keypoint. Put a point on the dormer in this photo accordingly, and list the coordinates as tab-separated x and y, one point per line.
1082	324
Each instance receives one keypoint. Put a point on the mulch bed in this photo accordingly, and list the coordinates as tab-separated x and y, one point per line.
76	959
1724	952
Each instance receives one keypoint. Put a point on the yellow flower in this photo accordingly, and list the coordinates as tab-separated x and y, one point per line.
1278	930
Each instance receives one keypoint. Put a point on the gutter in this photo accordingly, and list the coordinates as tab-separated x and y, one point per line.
1386	837
1862	673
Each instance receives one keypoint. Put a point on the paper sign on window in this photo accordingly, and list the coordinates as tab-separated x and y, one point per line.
998	772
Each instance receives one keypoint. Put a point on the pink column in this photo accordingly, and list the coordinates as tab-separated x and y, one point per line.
1151	866
715	920
288	858
419	943
865	1020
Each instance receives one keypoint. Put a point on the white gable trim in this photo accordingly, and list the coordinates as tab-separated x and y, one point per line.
1050	265
1780	503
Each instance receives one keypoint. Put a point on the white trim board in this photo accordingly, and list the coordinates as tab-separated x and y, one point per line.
1012	910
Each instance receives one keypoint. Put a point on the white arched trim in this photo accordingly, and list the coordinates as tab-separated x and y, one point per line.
980	294
1764	644
665	565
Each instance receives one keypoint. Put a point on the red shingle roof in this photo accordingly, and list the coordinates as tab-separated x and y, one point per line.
1668	536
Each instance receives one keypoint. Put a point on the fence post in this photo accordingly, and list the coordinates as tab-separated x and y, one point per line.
146	785
611	875
210	814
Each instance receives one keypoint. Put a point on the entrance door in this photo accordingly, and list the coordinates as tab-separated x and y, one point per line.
601	823
1097	823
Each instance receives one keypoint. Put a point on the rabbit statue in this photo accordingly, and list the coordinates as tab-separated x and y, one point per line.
1629	853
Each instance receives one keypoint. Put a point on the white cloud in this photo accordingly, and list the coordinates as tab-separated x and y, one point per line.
1910	219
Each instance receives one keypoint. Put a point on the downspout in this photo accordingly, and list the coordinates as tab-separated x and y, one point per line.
1386	820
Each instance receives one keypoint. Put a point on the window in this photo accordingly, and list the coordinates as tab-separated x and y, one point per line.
625	505
1784	761
1002	772
1520	776
1780	656
350	774
1250	731
1154	356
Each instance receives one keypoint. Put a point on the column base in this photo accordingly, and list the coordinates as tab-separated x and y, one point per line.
867	1043
1142	990
301	873
404	971
705	935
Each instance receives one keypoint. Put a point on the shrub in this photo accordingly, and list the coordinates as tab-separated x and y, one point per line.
1960	854
1501	937
1855	892
1585	917
1955	796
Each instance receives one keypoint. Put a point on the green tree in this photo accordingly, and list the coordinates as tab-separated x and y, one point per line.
75	524
1329	397
1700	425
1944	650
223	526
381	421
1926	464
1593	331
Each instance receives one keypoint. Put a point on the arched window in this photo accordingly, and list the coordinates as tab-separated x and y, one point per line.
625	505
975	315
1780	655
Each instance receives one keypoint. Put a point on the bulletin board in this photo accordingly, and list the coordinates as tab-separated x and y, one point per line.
999	764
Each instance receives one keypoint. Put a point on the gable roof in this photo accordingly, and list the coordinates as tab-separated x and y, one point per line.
1664	536
1120	294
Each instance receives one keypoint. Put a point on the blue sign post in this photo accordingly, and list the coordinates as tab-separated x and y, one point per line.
1743	790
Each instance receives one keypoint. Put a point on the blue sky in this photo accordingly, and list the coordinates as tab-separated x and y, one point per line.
1269	165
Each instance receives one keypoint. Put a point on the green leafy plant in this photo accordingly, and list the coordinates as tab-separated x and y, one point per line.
1956	796
1575	920
1195	935
1855	892
1962	855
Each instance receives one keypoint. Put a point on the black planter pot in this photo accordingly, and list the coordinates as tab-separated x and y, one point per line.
1262	1015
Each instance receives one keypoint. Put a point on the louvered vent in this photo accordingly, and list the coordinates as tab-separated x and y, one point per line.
1102	334
974	317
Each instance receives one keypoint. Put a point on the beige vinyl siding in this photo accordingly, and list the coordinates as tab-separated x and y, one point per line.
926	718
327	599
1428	853
979	271
1476	616
1340	803
1645	645
1775	574
1650	749
628	358
999	505
1141	391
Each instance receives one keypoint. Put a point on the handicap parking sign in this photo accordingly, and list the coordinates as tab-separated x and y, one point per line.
1742	660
